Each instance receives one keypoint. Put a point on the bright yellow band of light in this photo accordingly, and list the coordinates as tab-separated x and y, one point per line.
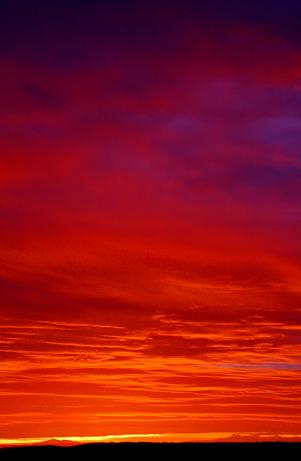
193	437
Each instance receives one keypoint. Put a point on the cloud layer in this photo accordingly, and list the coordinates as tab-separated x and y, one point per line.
150	189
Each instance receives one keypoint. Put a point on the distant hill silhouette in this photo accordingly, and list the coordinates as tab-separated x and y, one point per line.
104	451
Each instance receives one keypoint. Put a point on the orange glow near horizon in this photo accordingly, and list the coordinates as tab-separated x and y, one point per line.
170	438
150	225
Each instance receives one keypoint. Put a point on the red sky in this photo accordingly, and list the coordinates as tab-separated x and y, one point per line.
150	186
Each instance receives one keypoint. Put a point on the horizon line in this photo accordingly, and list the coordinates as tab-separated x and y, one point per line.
163	437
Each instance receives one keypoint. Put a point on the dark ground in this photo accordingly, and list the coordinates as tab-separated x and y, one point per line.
146	450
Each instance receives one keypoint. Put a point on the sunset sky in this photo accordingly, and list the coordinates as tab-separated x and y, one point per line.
150	219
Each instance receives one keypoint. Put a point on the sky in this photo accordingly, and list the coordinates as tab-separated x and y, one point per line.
150	219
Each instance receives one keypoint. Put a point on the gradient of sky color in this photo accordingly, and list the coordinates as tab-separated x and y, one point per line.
150	218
